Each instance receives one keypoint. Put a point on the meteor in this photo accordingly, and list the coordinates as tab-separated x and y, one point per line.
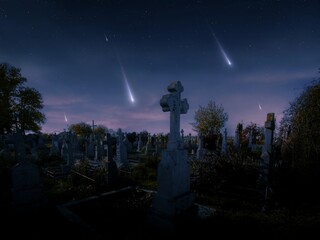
65	117
222	50
260	108
127	84
124	75
107	40
220	47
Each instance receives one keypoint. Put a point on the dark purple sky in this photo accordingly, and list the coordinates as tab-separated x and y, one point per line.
61	48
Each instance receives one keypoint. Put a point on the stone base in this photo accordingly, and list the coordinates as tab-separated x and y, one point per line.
167	214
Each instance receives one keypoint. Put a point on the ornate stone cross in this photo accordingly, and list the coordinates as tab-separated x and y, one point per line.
172	102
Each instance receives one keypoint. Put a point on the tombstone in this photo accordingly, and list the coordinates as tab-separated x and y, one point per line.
127	143
224	149
173	197
237	140
54	150
148	149
158	144
108	147
91	148
263	179
201	151
189	143
122	157
27	190
182	137
250	139
140	144
98	151
65	151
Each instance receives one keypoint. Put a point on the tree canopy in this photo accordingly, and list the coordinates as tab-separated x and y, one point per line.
300	126
19	104
209	119
82	129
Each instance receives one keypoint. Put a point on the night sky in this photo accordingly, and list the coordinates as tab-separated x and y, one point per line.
83	55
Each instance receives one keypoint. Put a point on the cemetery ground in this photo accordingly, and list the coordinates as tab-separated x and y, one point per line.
227	204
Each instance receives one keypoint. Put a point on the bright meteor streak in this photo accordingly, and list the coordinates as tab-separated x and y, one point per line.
220	47
127	84
107	40
222	50
65	117
123	72
125	79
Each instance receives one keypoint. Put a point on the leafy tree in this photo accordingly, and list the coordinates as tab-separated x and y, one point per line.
300	126
209	119
208	122
18	104
256	131
100	130
299	135
82	129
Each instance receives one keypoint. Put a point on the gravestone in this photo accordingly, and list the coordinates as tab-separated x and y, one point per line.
263	180
148	149
224	148
108	147
54	150
237	140
201	151
27	189
173	197
140	144
122	156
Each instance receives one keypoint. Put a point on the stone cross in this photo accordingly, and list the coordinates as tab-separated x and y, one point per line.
172	102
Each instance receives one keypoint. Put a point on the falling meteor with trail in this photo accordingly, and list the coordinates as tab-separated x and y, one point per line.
260	108
65	117
225	56
124	75
127	83
222	51
107	40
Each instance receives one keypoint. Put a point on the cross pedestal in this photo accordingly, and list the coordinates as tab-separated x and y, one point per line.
173	197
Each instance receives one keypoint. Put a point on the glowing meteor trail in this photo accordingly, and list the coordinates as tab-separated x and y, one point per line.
220	47
127	84
107	40
125	78
260	108
124	75
222	51
65	117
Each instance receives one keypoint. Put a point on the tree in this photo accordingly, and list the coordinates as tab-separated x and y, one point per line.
210	119
18	104
82	129
208	122
256	132
299	128
299	135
